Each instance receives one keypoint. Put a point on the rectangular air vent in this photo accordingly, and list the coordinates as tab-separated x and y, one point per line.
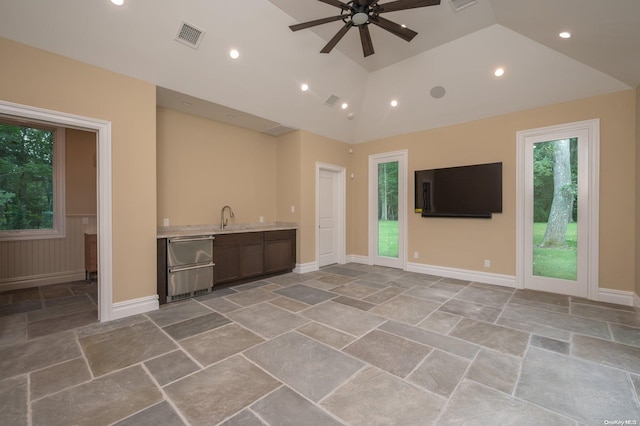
190	35
278	130
331	101
458	5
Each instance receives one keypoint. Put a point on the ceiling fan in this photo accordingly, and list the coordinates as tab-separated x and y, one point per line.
361	13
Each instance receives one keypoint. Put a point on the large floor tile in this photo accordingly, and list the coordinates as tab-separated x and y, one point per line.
503	339
170	367
608	353
99	402
38	353
486	296
284	407
159	414
354	290
218	344
388	352
407	309
539	329
431	293
429	338
495	370
267	320
375	397
211	395
627	335
441	322
251	297
197	325
471	310
566	322
542	297
440	372
13	329
61	323
344	318
306	294
61	311
475	404
606	314
244	418
305	365
120	348
13	401
326	335
58	377
588	392
177	312
383	295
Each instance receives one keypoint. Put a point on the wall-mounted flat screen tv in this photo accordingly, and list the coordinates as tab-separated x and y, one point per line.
465	191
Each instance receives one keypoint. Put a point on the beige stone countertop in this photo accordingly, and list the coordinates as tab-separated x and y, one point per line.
192	230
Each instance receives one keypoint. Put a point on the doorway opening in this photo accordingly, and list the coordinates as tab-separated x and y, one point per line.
557	210
388	209
330	214
102	129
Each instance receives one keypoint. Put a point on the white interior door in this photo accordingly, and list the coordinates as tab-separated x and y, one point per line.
557	220
327	217
387	209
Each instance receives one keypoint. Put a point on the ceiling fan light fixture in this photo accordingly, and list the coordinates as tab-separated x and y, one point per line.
359	18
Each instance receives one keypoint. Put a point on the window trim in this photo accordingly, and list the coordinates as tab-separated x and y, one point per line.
59	203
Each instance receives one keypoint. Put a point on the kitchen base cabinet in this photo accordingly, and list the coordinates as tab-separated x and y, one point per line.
279	251
238	256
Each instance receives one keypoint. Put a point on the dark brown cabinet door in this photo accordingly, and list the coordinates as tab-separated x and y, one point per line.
238	256
279	251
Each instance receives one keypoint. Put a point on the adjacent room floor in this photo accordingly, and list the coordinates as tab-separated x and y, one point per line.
350	344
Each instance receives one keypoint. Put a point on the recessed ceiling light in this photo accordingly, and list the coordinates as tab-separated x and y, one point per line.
394	103
234	54
344	105
499	72
304	87
117	2
565	34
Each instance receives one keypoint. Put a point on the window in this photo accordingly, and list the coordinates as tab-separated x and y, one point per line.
31	181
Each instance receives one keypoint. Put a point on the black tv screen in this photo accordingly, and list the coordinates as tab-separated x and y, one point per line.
465	191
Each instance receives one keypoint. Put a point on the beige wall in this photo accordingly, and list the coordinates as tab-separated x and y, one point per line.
38	78
465	243
204	165
80	172
289	191
637	191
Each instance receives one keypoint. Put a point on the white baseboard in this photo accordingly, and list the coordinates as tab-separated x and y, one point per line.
40	280
618	297
354	258
134	307
463	274
303	268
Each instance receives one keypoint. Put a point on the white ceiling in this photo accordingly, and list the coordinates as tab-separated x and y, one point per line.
260	90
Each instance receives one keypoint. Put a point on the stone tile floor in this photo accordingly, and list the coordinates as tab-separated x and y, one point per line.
349	344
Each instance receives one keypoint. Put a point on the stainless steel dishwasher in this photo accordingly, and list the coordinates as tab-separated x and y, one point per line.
190	266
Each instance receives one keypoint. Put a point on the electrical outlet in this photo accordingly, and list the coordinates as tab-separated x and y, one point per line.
165	222
261	219
416	255
487	263
293	209
85	220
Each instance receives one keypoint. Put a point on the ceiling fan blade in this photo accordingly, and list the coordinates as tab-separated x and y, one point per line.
337	3
406	4
310	24
365	38
336	38
395	29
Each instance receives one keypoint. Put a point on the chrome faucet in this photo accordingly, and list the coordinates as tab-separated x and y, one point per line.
223	221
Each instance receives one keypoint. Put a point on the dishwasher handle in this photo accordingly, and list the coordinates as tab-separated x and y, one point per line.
188	268
188	239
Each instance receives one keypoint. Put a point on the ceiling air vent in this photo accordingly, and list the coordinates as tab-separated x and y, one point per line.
278	130
190	35
331	101
458	5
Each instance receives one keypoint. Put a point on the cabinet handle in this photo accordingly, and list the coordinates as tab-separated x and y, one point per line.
187	239
188	268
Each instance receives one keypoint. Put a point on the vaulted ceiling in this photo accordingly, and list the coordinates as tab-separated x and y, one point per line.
455	50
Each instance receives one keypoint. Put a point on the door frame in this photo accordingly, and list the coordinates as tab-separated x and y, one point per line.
402	158
592	127
103	166
341	217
